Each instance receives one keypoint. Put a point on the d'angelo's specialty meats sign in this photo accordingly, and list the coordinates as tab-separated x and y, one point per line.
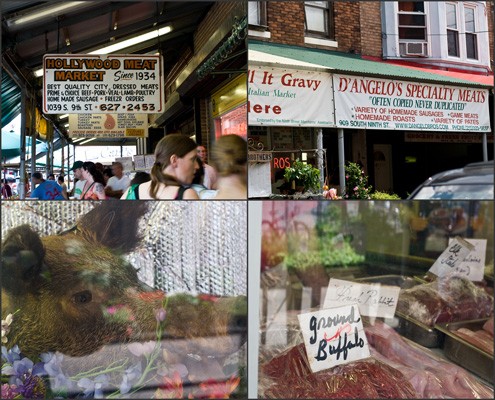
372	103
84	83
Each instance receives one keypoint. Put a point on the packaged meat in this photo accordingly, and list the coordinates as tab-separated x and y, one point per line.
469	345
291	377
448	299
431	376
488	326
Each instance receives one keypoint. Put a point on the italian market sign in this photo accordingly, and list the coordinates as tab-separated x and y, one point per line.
86	83
108	125
286	97
373	103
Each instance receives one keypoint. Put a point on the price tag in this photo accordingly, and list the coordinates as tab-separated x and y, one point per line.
333	336
452	257
373	300
473	266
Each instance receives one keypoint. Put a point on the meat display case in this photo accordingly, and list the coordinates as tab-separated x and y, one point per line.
307	250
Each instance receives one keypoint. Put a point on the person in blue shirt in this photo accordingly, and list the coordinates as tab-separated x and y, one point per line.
46	190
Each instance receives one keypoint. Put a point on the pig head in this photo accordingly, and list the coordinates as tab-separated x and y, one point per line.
75	292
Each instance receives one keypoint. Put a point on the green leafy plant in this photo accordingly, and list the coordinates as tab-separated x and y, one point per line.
384	196
304	175
356	182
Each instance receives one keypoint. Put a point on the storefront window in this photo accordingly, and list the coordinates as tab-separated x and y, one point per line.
232	123
319	258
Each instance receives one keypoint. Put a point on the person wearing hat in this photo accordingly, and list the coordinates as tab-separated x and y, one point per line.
77	168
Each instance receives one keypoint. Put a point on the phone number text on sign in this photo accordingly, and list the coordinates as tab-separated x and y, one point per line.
81	84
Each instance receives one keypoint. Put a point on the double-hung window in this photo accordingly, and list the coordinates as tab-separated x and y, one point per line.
257	13
462	36
318	19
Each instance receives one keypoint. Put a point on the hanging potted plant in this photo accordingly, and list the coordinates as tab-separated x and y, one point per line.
303	177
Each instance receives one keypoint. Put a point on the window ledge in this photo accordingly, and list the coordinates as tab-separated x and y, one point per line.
320	42
259	34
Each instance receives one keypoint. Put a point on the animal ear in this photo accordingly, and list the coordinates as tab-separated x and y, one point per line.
22	260
114	224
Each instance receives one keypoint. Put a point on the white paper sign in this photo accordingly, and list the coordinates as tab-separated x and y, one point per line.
373	103
108	125
473	266
289	97
373	300
92	83
333	336
452	257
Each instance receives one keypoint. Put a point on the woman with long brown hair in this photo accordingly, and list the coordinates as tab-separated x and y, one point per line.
94	188
172	172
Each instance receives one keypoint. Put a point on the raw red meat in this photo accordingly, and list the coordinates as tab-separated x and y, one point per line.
489	326
445	300
366	379
430	376
480	339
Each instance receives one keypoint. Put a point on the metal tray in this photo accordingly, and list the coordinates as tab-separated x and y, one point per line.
418	332
464	353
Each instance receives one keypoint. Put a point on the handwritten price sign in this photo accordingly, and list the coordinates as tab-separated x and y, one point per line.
333	336
373	300
473	266
452	257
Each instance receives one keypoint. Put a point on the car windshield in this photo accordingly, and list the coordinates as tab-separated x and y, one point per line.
456	192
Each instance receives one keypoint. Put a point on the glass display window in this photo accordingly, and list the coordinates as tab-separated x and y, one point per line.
367	299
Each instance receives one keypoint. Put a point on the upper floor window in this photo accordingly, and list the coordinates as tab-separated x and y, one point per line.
257	13
462	37
318	18
412	21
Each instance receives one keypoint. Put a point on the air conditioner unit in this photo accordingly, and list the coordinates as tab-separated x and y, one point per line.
413	49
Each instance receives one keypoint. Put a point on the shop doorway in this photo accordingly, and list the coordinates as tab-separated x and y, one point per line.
382	158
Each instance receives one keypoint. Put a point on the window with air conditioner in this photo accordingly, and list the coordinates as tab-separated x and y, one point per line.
462	31
318	19
412	28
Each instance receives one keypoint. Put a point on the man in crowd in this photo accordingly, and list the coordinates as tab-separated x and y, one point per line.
210	175
118	183
46	190
79	185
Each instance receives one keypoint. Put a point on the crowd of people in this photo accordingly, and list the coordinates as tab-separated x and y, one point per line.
181	171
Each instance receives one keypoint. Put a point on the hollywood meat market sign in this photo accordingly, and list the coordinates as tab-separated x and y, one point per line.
91	84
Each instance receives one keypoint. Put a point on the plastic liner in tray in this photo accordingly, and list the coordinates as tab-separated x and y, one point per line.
464	353
404	282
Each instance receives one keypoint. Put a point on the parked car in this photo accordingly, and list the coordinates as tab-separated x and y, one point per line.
473	182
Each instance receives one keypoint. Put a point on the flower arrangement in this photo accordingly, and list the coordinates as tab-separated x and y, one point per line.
356	182
330	194
45	377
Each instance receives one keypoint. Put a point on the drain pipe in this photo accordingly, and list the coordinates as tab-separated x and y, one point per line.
340	132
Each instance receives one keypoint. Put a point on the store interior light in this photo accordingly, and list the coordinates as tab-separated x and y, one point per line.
124	44
133	41
54	9
63	116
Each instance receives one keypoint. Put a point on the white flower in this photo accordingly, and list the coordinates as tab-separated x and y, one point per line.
6	327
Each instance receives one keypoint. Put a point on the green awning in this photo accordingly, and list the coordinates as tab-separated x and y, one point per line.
11	99
349	64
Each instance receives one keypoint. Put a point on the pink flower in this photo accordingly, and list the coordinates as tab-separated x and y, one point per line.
355	188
